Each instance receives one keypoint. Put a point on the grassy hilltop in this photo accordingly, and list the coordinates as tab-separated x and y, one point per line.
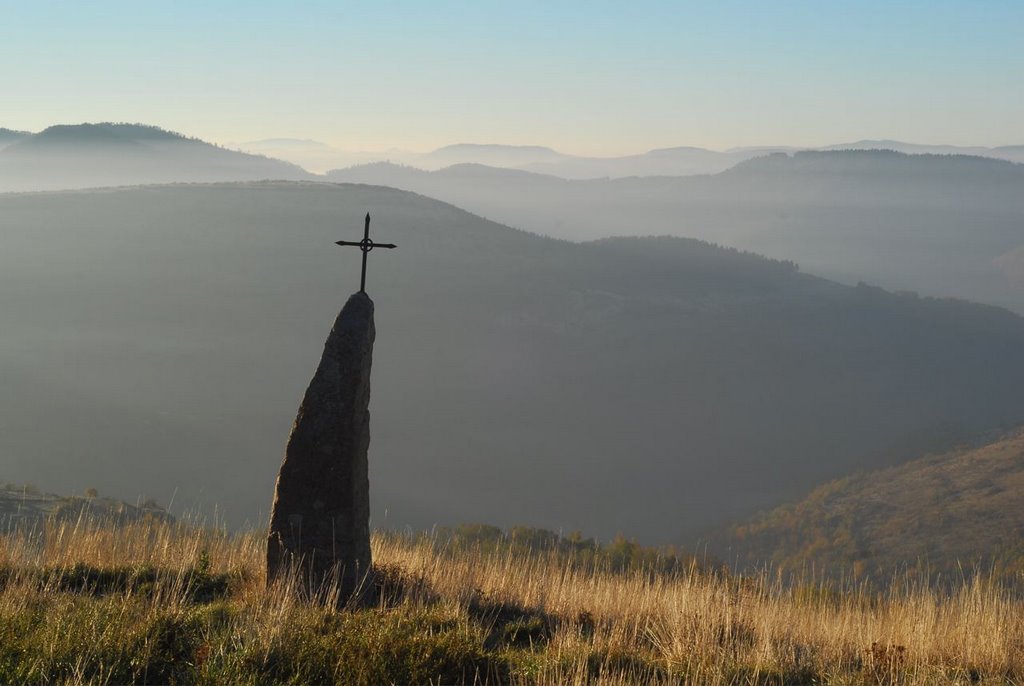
153	602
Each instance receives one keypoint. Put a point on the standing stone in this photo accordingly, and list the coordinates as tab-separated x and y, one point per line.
321	515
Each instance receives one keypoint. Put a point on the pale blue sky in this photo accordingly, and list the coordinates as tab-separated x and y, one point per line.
586	77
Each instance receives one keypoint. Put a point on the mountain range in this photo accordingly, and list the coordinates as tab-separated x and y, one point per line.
204	162
674	161
938	224
168	328
158	340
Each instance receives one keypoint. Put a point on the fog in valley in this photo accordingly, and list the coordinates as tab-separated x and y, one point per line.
157	339
941	225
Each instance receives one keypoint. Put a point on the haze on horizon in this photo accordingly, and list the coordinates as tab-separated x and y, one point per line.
609	81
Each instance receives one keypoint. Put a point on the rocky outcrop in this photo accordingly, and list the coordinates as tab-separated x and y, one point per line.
321	514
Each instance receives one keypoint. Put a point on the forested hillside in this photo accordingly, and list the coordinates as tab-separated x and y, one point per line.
943	514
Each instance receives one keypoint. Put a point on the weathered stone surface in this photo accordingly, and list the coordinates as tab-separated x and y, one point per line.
321	515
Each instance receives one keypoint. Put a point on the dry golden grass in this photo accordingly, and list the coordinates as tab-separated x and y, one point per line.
473	617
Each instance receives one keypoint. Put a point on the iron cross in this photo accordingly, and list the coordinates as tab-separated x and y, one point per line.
366	245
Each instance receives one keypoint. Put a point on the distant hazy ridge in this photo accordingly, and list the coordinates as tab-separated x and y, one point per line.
939	224
95	155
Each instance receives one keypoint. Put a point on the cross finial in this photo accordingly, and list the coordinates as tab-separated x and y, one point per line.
366	245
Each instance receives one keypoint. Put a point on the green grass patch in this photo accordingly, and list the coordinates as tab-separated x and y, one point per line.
197	583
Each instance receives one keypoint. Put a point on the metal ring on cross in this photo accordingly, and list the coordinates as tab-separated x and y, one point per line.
366	245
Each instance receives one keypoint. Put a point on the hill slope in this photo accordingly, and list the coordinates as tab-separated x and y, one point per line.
942	225
26	507
95	155
161	338
10	136
941	512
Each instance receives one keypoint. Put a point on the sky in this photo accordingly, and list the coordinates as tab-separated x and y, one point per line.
598	78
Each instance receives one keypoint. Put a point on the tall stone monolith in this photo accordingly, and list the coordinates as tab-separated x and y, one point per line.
321	515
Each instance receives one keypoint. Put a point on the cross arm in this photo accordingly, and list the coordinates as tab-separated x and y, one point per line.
359	244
